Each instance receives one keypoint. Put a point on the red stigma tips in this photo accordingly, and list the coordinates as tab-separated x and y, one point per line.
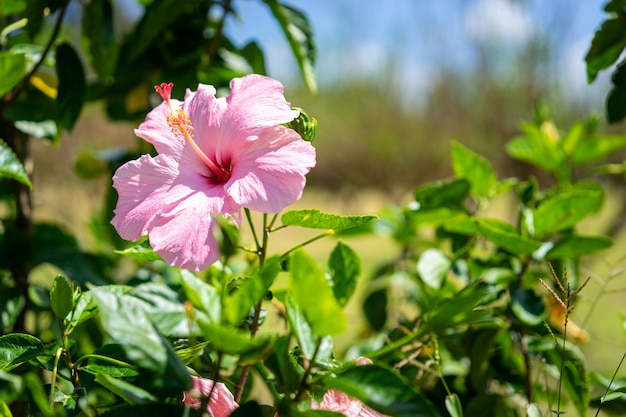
164	90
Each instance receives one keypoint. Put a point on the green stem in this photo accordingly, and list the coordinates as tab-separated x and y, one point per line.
55	32
105	359
252	229
318	237
254	327
307	372
53	380
265	375
608	388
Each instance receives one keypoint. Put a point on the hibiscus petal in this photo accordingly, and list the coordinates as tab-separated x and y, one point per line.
334	400
205	112
255	103
182	234
156	130
269	173
141	185
221	403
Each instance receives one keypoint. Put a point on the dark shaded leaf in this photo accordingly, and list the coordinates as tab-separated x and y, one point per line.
574	378
99	37
72	86
344	267
606	46
61	297
443	194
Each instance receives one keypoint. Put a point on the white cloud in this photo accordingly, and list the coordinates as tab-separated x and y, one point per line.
498	21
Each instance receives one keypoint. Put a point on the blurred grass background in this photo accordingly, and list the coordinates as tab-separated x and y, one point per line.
375	145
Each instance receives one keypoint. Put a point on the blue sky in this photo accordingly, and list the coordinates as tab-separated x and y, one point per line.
417	38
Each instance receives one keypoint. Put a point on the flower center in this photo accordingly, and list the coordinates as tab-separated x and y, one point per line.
181	126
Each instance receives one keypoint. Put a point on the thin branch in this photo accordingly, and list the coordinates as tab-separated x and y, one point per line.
55	32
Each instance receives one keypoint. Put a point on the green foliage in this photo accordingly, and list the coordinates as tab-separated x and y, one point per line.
316	219
460	323
606	47
10	165
466	285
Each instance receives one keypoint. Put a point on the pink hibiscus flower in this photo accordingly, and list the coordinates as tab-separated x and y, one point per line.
215	156
221	403
340	402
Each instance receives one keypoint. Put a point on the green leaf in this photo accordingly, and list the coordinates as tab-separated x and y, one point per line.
596	147
249	409
565	209
535	147
433	266
316	219
99	37
475	169
245	297
84	309
9	7
569	143
202	295
11	167
382	390
574	378
453	405
526	305
130	393
574	246
300	327
254	55
61	297
344	267
163	307
152	410
125	321
232	341
443	194
12	70
506	236
310	290
375	308
11	304
456	311
283	365
297	30
141	251
16	349
616	100
72	86
158	16
606	46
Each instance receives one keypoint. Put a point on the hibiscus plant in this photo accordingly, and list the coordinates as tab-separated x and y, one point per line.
188	310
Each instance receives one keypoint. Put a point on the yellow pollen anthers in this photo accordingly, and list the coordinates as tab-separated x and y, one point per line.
181	126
